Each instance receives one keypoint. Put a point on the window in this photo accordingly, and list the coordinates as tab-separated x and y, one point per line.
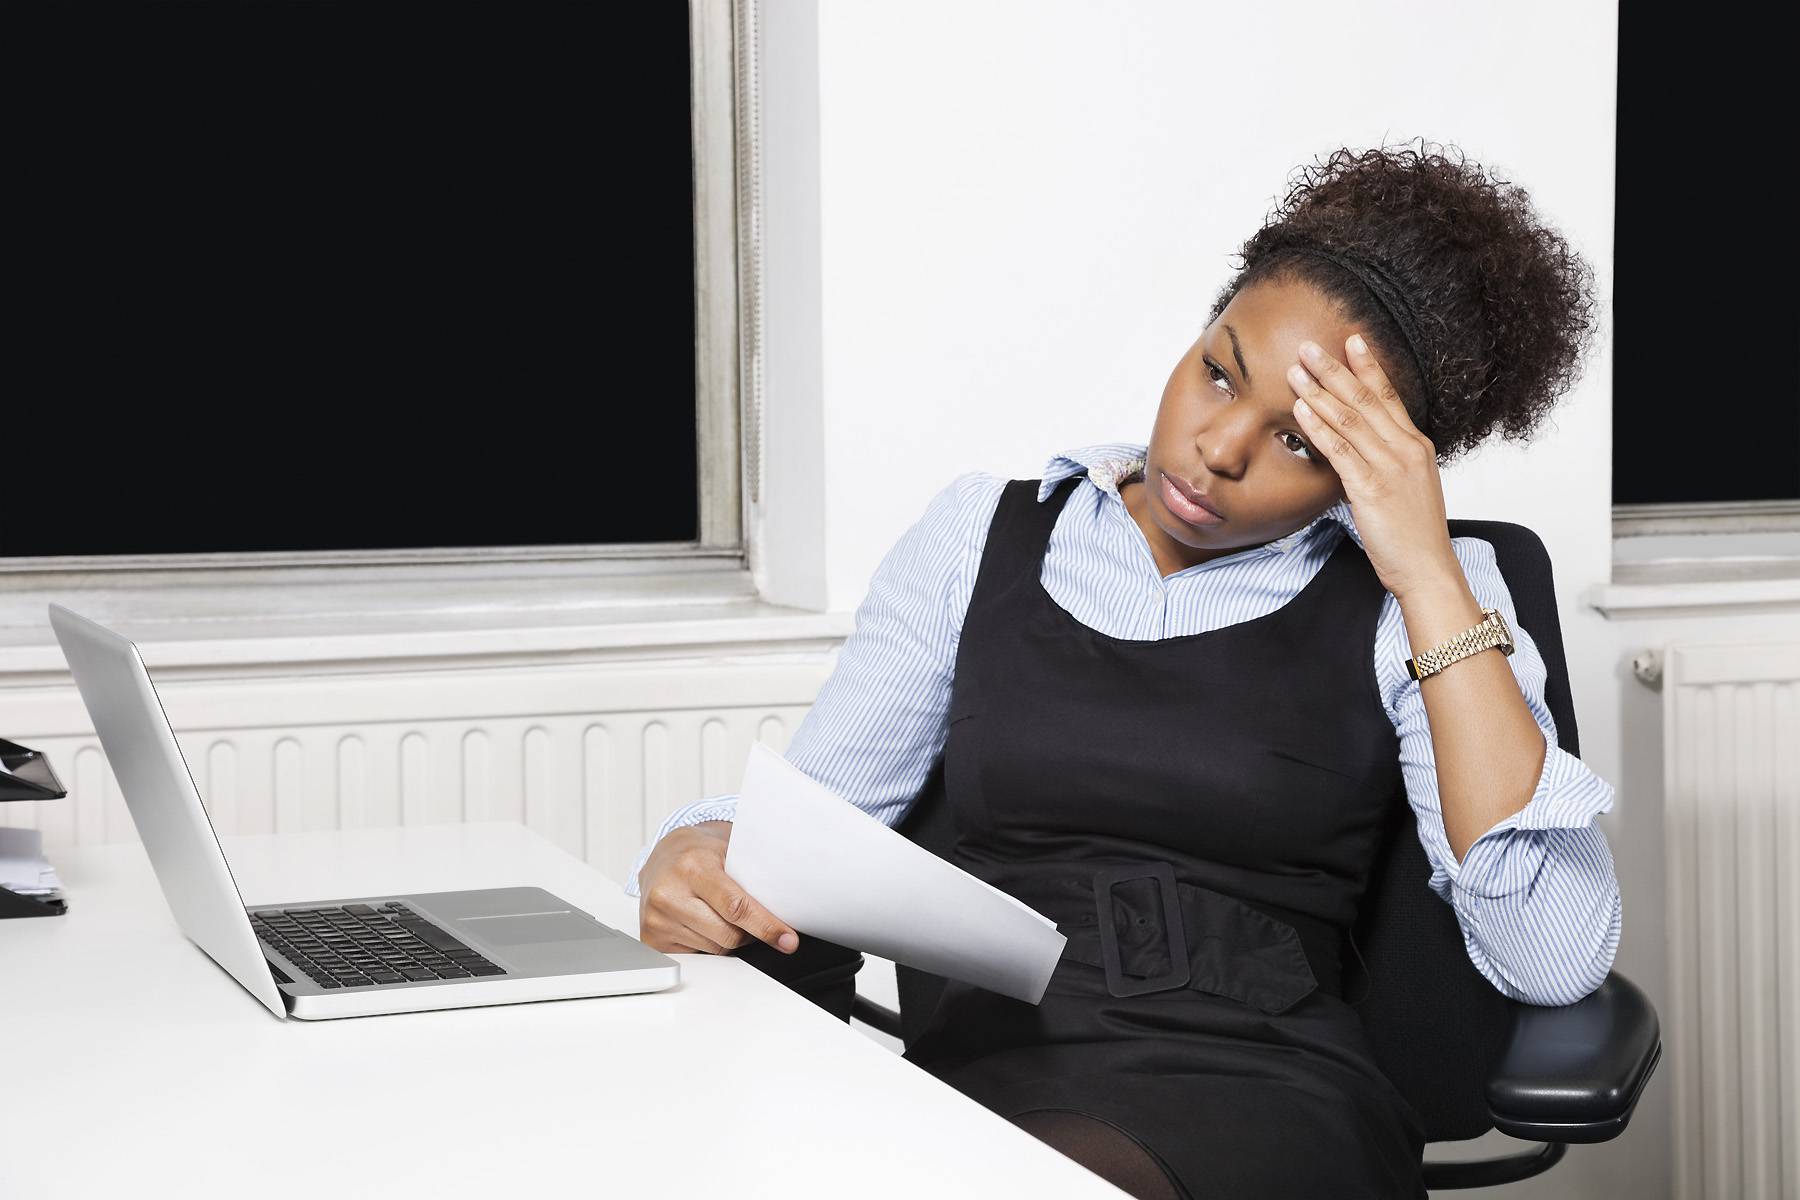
362	282
1706	410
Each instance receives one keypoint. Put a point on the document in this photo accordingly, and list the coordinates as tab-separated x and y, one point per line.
831	870
23	868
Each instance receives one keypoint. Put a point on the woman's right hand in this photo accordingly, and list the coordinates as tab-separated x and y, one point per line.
687	902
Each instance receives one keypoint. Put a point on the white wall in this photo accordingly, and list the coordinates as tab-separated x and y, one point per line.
1024	211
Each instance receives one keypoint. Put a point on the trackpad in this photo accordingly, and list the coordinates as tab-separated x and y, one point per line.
534	927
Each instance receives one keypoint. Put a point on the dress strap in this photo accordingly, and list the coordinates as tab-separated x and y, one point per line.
1017	539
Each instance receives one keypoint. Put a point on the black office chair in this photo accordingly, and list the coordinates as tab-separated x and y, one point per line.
1466	1057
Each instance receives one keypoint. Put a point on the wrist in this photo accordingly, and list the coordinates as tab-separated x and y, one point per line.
1437	613
1440	586
700	832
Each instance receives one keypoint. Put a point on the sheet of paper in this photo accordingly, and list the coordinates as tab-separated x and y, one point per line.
23	867
829	869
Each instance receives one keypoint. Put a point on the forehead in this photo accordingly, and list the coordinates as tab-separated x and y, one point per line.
1272	317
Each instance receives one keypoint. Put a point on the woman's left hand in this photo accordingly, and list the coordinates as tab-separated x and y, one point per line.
1353	415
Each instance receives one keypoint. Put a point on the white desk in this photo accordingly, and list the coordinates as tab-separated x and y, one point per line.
133	1065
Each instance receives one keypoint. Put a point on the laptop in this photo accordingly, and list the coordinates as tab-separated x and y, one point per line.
348	957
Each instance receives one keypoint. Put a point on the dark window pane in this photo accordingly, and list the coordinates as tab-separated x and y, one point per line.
1705	404
347	275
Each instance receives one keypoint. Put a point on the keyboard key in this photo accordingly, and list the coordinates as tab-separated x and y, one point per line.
432	935
487	969
414	973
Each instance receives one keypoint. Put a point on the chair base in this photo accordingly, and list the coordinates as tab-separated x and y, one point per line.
1491	1172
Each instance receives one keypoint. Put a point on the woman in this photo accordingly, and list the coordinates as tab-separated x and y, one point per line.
1172	689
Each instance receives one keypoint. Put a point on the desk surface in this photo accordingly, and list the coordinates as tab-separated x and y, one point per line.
136	1066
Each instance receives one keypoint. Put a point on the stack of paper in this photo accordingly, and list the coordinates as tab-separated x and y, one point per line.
23	868
829	869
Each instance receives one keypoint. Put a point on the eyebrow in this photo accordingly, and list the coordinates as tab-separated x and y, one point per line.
1238	353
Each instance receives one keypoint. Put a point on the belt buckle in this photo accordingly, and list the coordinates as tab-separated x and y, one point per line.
1179	971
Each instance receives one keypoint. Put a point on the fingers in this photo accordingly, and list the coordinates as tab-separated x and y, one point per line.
688	898
687	939
1317	413
739	909
700	917
1362	361
660	930
1346	399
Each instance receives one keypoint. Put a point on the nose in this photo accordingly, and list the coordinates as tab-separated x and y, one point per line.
1224	442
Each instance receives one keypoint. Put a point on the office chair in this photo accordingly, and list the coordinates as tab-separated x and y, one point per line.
1466	1057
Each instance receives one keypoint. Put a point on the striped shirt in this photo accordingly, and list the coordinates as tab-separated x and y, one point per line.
1535	895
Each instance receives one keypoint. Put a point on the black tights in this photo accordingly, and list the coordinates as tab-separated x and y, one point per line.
1103	1149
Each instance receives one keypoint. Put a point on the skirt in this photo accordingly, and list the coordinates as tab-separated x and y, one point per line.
1234	1102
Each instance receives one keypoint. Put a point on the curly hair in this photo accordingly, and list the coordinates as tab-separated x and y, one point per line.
1504	307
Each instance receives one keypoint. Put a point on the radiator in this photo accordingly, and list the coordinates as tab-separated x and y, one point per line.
592	757
1731	763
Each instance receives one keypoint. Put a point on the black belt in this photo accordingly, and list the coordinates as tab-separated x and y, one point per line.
1182	935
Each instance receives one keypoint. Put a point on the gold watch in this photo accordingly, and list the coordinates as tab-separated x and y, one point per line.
1492	631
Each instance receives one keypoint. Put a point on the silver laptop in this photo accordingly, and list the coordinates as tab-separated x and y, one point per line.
335	958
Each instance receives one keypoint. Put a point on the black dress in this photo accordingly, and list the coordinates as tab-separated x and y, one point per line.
1243	773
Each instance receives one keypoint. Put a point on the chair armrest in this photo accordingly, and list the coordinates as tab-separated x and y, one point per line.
1574	1073
824	972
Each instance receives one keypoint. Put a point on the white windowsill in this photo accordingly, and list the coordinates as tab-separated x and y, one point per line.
465	615
1701	575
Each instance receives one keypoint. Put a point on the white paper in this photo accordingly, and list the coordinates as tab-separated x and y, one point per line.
23	867
831	870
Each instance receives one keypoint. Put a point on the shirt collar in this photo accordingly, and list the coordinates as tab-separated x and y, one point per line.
1109	464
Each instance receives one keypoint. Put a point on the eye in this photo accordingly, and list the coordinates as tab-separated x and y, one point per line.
1310	456
1218	376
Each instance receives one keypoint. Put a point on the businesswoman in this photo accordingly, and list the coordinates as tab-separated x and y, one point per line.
1203	668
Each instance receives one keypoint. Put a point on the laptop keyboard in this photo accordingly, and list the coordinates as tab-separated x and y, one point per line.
362	945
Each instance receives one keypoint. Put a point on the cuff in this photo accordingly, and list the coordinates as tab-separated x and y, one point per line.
716	809
1506	859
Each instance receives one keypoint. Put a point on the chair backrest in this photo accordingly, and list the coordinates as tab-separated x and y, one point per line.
1435	1024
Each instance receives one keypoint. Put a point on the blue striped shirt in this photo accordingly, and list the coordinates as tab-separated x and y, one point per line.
1535	896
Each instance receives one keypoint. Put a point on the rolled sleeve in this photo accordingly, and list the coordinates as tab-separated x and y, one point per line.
1568	796
1536	896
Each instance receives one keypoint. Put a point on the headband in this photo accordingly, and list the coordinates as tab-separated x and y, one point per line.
1392	297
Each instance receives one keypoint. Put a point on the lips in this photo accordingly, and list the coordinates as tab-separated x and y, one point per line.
1187	489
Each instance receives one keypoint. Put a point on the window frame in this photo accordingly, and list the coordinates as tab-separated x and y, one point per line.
727	350
1706	517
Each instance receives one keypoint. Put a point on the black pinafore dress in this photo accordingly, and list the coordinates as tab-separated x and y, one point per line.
1199	815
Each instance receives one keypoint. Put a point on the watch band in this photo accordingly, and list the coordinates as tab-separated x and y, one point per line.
1492	631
